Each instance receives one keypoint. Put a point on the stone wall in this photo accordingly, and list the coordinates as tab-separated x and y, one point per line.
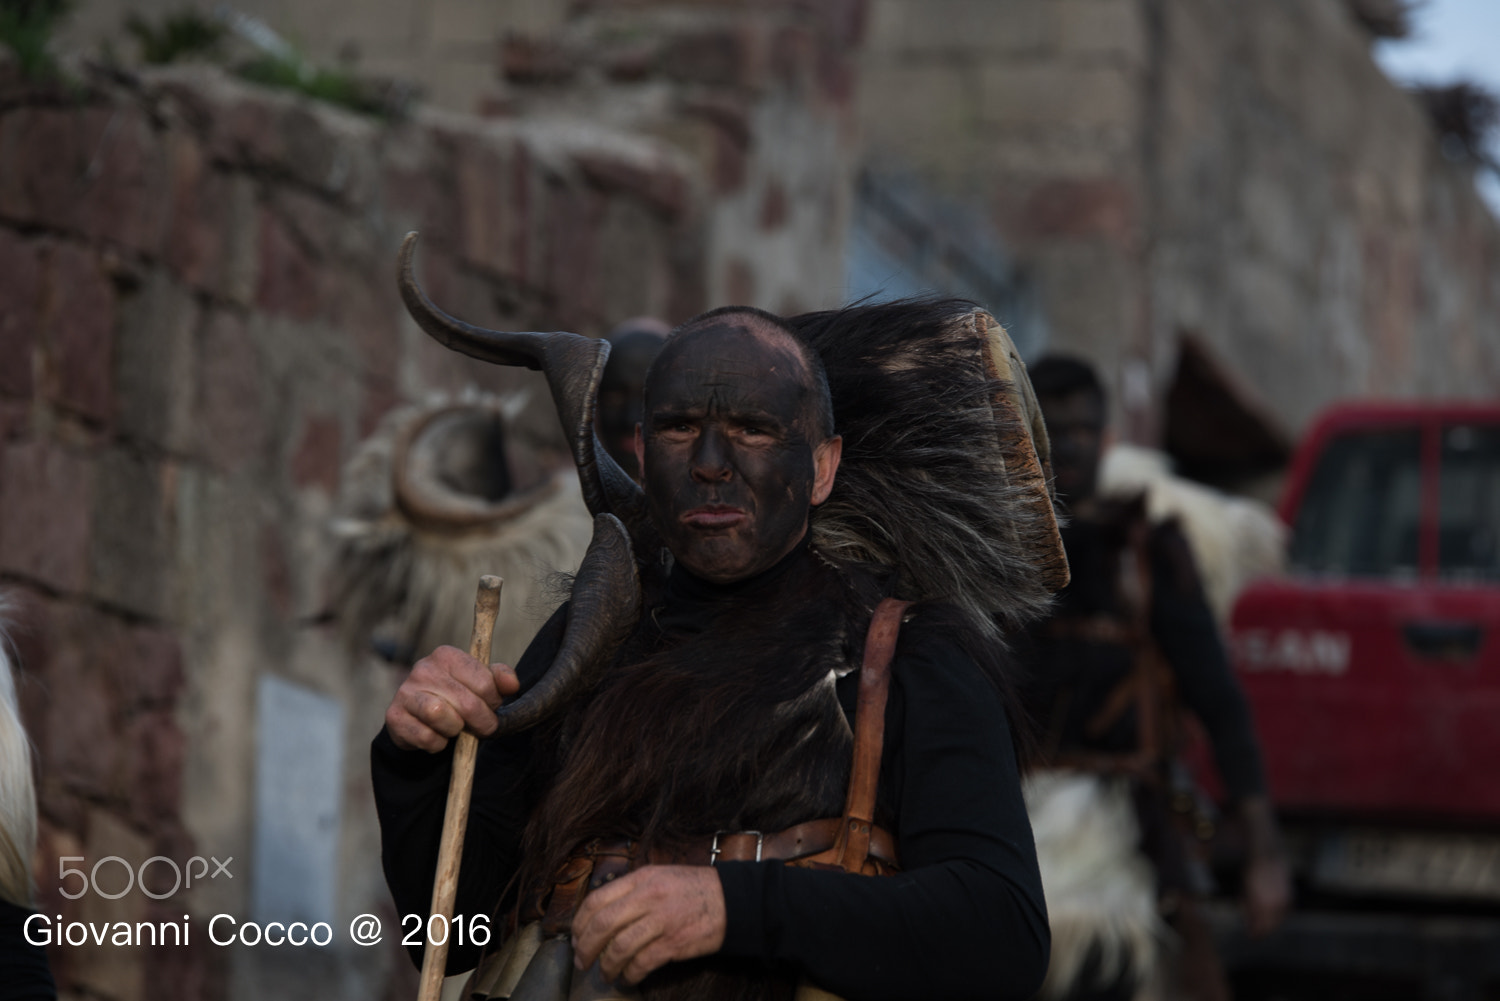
198	321
1241	173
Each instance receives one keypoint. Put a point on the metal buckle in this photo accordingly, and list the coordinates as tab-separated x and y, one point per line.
714	851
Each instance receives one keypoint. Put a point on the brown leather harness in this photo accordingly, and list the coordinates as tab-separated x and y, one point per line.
851	843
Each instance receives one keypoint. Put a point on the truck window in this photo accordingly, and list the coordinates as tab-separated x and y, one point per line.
1469	502
1361	513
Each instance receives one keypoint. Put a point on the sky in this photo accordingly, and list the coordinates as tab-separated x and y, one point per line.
1452	39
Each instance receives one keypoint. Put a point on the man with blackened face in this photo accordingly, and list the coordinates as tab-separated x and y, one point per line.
735	445
714	762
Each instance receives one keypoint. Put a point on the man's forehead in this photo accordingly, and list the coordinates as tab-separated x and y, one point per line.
731	352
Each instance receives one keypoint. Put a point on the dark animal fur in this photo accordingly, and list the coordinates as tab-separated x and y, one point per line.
735	728
923	485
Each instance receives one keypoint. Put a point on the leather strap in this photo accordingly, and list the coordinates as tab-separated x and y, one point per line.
853	848
852	842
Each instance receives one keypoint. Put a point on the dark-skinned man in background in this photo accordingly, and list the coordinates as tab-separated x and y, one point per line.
729	710
1132	643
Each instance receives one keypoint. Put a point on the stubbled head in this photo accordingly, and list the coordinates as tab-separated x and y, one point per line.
1073	406
634	345
736	443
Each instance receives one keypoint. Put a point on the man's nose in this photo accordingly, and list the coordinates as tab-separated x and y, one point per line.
711	457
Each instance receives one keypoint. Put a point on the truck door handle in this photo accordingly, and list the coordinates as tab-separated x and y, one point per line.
1443	640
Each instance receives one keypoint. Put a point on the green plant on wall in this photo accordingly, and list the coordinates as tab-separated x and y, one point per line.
26	28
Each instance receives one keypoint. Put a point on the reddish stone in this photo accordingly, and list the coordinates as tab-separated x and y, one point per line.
480	175
148	780
1070	208
82	741
15	419
773	207
528	60
380	398
125	185
836	78
145	667
717	57
79	314
288	283
231	421
575	217
790	55
369	310
521	189
278	573
739	282
660	185
316	461
45	495
45	162
21	296
199	215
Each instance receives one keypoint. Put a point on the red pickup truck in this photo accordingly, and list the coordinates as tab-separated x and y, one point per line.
1373	669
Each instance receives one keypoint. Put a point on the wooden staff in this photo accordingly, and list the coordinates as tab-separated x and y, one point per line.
456	817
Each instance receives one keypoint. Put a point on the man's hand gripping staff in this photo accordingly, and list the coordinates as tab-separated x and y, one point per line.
456	817
448	694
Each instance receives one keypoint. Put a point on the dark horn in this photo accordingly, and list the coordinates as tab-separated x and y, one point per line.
573	365
605	605
522	350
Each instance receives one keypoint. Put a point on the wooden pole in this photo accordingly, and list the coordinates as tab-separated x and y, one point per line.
456	817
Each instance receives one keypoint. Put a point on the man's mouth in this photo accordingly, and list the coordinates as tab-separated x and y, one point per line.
714	516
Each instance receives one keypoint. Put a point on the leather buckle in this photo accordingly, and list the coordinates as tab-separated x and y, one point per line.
714	851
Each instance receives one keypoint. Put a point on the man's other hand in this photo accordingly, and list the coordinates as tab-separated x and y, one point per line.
1268	893
447	692
656	915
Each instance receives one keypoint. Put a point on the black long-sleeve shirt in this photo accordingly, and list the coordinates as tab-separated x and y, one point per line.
965	917
1071	676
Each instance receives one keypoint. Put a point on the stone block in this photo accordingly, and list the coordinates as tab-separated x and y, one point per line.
79	317
486	178
723	55
366	307
126	184
131	544
987	27
46	492
658	183
200	211
155	361
1057	92
231	417
144	665
45	154
315	463
21	292
148	774
287	282
79	739
928	112
1110	28
1065	209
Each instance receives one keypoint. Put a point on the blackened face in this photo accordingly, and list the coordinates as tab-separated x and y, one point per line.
1075	426
728	453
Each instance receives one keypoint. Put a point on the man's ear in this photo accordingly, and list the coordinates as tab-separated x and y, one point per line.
640	452
825	465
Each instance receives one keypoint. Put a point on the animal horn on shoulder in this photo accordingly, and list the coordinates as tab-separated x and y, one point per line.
605	605
573	365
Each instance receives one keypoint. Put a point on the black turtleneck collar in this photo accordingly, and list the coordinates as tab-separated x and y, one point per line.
690	603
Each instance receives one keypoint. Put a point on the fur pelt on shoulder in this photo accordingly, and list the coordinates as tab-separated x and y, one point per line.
1234	539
